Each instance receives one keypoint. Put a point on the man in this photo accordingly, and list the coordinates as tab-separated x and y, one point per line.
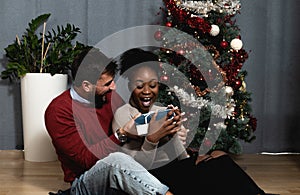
79	123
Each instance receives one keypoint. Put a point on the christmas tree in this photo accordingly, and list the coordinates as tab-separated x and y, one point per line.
214	95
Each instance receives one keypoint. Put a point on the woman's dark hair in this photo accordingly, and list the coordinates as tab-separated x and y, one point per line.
90	64
134	57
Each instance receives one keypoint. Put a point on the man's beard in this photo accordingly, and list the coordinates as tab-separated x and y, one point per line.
99	100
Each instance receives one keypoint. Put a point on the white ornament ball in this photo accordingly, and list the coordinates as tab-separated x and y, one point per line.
236	44
229	91
215	30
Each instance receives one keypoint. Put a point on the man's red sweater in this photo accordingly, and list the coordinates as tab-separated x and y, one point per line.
80	132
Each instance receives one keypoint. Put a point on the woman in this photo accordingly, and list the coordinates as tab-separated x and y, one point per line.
161	150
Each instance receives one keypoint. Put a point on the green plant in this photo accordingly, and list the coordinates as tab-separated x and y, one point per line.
52	52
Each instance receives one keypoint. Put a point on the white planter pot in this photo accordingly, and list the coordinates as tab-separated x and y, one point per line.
37	91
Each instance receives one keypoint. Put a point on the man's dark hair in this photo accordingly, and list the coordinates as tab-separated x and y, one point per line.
90	64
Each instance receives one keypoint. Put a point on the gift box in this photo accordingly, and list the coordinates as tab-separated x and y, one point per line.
142	122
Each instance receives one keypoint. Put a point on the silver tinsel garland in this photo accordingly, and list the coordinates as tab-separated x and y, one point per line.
202	8
220	111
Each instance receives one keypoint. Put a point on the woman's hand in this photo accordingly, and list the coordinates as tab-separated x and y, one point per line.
129	128
168	125
182	134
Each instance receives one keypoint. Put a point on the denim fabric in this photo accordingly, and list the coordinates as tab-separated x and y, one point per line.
118	171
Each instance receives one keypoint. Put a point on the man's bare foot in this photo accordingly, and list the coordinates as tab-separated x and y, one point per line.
169	193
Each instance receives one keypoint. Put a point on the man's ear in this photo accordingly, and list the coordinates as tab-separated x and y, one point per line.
86	86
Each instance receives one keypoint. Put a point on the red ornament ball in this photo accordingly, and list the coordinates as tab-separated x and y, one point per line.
207	143
237	84
224	44
164	78
168	24
181	52
158	35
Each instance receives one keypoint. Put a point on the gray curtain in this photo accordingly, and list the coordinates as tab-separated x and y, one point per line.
268	30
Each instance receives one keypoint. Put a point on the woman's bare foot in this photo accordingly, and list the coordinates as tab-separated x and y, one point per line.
206	157
217	153
201	158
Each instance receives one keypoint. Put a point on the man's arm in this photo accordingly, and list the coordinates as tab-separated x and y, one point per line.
67	140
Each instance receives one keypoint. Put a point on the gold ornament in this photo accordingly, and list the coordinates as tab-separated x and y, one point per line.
243	87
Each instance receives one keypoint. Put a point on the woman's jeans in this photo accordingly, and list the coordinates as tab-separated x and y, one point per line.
117	171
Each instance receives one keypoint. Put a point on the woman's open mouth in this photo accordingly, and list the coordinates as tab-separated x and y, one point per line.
146	102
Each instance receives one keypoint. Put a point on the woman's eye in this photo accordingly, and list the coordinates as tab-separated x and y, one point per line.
139	85
153	84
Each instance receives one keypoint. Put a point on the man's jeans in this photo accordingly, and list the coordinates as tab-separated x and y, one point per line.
118	171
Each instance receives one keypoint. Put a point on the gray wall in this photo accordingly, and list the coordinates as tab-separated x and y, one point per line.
268	29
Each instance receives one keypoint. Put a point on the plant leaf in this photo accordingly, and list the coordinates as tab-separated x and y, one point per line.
35	23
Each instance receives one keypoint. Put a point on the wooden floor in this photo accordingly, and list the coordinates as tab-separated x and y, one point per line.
274	174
